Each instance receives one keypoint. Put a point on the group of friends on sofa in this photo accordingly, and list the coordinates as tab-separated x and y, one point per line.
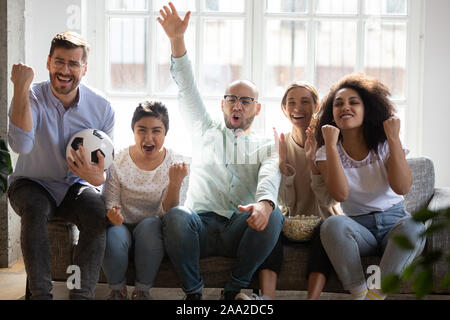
342	161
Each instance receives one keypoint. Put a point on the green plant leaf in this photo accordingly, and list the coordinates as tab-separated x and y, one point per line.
408	272
446	281
434	228
431	257
3	184
403	242
5	162
424	214
447	258
391	284
5	167
423	283
447	213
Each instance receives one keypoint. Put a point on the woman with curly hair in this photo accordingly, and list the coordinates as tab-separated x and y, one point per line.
362	161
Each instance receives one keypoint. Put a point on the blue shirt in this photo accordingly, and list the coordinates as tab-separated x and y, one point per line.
228	168
42	151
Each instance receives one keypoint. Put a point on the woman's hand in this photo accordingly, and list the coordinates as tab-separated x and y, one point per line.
392	128
281	147
177	172
310	150
310	145
330	134
114	216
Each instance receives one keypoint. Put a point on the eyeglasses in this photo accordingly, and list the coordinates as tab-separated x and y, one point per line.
232	100
73	65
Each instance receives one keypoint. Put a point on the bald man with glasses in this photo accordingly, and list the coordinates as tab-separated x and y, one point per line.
231	202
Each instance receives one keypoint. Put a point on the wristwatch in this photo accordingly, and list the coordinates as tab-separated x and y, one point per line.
270	202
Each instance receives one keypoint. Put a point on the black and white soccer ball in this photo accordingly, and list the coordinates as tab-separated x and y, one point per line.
92	140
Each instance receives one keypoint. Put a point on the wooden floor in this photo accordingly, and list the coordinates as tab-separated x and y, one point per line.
12	287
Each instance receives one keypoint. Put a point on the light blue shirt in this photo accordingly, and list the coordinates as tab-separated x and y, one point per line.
42	151
228	167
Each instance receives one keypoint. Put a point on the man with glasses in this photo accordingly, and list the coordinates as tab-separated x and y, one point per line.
42	119
230	208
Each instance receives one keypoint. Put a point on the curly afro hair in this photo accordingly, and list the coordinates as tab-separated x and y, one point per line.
377	107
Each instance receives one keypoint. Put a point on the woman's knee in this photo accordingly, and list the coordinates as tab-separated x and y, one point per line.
149	228
177	218
118	237
334	225
409	227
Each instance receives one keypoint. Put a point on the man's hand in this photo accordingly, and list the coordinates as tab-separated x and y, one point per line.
173	25
114	216
82	167
22	76
260	214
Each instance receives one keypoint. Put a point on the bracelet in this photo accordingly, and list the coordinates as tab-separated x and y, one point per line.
270	202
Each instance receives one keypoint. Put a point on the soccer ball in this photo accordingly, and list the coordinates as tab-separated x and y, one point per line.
92	140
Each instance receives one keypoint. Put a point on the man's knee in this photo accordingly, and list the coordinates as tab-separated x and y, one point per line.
30	201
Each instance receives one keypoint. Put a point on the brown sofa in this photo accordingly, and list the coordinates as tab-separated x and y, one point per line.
216	270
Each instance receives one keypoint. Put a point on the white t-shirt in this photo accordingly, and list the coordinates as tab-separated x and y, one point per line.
367	180
140	192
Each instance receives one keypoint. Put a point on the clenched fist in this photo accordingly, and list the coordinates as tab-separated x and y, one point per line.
115	216
22	75
392	127
177	172
330	134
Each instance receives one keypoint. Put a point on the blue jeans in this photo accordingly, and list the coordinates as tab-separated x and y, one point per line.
347	239
189	236
148	253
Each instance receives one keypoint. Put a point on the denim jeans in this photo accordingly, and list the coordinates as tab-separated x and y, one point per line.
347	239
148	253
82	206
189	236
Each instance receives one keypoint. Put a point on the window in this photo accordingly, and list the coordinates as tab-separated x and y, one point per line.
271	42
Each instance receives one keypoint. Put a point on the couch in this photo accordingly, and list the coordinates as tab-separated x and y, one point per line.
216	270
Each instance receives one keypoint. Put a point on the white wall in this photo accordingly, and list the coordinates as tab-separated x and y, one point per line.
43	20
436	89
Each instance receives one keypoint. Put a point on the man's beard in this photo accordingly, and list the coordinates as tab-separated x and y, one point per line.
245	124
67	88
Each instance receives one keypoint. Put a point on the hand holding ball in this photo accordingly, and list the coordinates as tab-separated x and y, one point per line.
92	141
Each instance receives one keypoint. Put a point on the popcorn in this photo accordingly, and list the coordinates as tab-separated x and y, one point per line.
301	227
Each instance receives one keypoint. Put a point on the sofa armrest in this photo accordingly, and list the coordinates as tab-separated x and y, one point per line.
440	240
440	199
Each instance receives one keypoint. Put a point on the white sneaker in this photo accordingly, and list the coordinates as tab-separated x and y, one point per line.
254	296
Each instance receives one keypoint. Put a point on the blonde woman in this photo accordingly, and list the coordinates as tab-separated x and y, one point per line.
302	190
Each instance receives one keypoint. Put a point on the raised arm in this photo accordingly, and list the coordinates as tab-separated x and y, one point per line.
331	169
192	108
399	173
21	77
175	27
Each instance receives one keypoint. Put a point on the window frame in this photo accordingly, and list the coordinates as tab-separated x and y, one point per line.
255	19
